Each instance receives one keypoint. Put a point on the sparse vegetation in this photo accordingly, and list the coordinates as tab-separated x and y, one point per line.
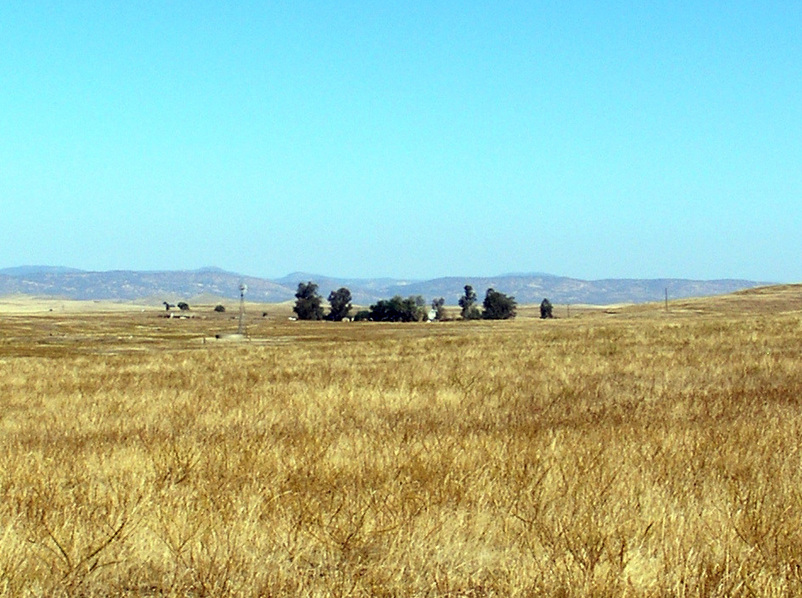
220	309
641	454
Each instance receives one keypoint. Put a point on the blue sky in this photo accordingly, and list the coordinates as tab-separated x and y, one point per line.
405	139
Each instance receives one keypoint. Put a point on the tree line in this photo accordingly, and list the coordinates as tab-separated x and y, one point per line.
309	306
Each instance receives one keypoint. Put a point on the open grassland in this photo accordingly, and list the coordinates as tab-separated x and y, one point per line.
636	453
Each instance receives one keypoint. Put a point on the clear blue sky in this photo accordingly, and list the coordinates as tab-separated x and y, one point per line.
409	139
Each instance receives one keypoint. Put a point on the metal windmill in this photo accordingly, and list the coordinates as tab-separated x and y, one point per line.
242	290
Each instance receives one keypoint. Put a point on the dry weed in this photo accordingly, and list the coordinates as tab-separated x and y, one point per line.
596	456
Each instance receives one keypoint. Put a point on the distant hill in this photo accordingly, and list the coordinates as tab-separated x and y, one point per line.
767	299
127	285
131	285
35	270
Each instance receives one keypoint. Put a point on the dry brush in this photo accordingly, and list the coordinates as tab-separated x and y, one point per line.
597	456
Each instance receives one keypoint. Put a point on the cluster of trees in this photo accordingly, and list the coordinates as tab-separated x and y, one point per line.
496	306
309	306
397	309
182	305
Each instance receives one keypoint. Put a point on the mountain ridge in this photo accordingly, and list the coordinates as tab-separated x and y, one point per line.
173	285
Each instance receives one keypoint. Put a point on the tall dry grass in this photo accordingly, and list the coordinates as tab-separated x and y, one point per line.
597	456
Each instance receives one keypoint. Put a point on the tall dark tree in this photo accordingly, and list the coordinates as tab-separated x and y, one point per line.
545	309
340	301
439	309
468	304
308	302
498	306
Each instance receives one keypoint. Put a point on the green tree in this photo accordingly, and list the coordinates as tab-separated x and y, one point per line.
545	309
340	301
398	309
498	306
362	316
439	309
468	304
308	302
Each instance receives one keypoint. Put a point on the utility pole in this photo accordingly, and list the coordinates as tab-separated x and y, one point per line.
666	299
242	288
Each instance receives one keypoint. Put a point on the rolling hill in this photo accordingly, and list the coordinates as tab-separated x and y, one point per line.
126	285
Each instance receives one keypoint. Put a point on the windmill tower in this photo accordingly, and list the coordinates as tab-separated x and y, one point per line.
242	290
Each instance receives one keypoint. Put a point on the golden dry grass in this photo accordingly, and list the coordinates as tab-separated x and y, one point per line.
640	453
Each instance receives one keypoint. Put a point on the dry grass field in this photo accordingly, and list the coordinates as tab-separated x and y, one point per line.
619	452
